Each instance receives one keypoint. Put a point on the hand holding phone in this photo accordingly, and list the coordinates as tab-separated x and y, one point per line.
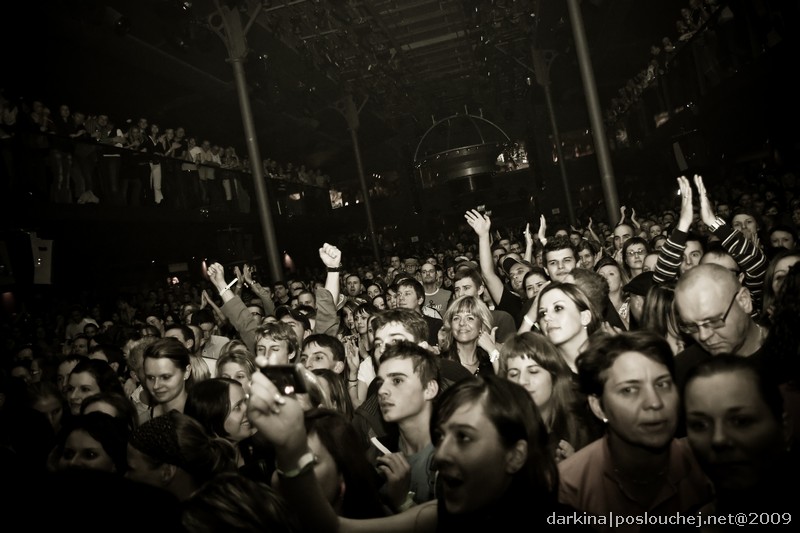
288	379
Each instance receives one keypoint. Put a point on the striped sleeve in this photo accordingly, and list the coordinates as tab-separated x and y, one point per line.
670	257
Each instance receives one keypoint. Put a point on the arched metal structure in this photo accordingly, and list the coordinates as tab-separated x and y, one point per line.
459	147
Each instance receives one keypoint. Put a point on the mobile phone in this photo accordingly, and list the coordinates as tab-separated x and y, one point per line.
287	378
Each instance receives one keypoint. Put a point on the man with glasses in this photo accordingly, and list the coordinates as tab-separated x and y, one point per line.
713	308
436	297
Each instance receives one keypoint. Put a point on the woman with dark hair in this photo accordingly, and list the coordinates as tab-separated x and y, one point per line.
175	453
90	376
634	251
736	427
95	441
589	253
658	315
568	318
532	282
219	404
347	320
45	397
167	369
348	480
234	503
616	277
777	269
638	466
495	469
532	361
113	404
782	348
335	389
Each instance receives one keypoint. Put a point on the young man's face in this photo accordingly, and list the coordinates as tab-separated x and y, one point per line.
401	393
559	263
316	356
389	334
276	352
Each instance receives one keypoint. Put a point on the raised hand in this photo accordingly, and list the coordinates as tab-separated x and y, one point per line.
247	274
706	213
542	234
216	273
352	357
278	418
480	223
528	235
486	340
686	215
622	211
330	255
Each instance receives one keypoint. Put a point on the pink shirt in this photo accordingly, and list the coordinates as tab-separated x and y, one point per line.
588	483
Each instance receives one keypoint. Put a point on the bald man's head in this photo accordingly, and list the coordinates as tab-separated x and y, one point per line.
713	307
708	273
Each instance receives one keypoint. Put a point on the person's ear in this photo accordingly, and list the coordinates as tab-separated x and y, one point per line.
516	457
187	372
338	367
167	474
596	405
431	390
744	299
586	317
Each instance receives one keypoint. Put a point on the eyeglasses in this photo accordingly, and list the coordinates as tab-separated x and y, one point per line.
714	323
631	253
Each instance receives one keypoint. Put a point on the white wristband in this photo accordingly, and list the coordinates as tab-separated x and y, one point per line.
528	320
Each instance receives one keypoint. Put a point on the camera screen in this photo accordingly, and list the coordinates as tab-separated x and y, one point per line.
286	378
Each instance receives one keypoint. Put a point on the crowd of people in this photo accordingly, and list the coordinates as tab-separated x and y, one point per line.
84	158
646	369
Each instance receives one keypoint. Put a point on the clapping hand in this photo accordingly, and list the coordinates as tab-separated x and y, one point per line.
706	213
542	229
528	235
247	274
687	215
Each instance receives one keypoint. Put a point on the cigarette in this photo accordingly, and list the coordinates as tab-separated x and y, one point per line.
231	284
381	447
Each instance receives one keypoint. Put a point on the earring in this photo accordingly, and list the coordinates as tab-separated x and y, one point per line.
605	421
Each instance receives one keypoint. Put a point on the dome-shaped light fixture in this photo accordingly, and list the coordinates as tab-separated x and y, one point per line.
461	148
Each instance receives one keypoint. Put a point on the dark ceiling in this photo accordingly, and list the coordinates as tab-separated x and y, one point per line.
407	63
